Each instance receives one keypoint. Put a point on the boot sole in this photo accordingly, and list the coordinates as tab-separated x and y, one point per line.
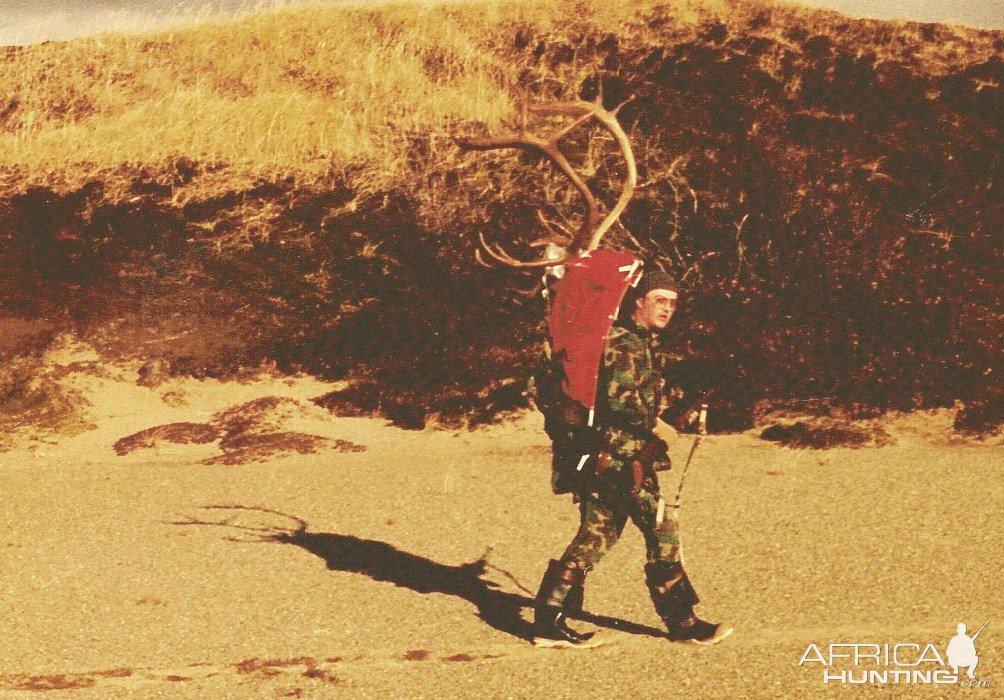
719	637
543	643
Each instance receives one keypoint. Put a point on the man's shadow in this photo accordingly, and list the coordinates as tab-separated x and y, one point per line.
384	562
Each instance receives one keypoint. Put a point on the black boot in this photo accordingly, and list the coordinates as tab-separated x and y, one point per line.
550	630
550	626
576	600
697	631
674	598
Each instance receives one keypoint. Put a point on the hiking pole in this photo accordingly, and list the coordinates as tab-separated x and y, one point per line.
702	430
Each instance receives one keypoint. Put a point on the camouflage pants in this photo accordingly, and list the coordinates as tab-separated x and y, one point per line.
603	518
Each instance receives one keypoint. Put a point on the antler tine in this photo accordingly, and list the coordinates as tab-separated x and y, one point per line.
609	121
582	119
584	111
480	259
498	254
617	109
550	149
549	227
591	226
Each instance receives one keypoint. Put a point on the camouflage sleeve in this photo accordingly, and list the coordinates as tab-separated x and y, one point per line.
669	364
683	384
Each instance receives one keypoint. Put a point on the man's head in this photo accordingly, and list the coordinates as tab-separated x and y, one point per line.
655	300
961	629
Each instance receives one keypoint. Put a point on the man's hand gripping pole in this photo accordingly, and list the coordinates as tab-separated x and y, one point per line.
702	430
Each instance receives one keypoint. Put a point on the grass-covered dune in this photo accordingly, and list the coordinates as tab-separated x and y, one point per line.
285	187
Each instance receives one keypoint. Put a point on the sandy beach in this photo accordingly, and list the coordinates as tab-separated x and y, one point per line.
370	561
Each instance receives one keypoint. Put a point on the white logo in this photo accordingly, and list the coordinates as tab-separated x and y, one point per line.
961	650
887	663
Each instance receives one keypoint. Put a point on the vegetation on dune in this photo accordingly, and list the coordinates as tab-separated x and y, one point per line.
285	187
306	92
34	400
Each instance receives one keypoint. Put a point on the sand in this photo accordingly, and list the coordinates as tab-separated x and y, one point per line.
370	561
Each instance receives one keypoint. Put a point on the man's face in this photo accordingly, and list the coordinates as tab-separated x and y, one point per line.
654	310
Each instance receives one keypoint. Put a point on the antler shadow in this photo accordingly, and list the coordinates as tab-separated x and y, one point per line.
381	561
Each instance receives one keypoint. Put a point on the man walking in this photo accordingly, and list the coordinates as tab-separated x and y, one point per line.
619	482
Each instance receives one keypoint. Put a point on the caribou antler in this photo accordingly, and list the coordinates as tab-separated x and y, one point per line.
592	230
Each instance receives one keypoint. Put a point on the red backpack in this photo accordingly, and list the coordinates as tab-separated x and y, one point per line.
585	301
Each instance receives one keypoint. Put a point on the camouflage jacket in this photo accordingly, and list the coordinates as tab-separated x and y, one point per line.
629	396
632	389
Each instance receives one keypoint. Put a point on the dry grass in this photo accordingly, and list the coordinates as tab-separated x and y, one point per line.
288	92
314	92
32	401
